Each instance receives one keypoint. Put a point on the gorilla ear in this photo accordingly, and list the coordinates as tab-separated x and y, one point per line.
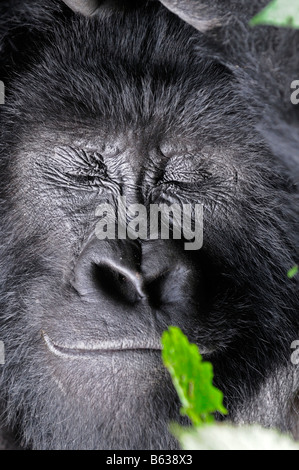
86	7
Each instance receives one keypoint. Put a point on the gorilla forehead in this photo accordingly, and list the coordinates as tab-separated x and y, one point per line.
143	96
136	78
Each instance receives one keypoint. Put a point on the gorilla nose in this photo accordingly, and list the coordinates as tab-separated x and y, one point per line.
125	272
109	270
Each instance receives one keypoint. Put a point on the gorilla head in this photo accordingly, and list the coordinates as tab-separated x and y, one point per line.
187	107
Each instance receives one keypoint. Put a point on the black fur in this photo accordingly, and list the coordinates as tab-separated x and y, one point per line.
146	82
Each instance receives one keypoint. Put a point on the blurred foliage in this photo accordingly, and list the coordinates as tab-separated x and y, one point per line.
193	380
279	13
293	272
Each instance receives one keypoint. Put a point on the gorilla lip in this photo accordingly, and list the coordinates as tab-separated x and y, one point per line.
85	351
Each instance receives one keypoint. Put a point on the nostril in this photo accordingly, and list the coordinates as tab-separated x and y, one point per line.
109	270
155	290
169	287
116	282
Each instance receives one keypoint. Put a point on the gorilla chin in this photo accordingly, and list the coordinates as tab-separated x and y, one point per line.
101	400
98	395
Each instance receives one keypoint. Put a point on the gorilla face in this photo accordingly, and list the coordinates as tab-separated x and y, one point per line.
134	104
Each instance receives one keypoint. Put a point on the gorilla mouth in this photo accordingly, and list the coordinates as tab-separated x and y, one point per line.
84	350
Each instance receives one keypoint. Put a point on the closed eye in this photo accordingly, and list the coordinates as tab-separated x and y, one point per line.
87	173
81	166
186	178
89	179
73	168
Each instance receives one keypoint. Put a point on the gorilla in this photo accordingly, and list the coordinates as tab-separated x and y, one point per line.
159	102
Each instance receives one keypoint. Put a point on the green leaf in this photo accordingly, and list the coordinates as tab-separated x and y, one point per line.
192	378
293	272
279	13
